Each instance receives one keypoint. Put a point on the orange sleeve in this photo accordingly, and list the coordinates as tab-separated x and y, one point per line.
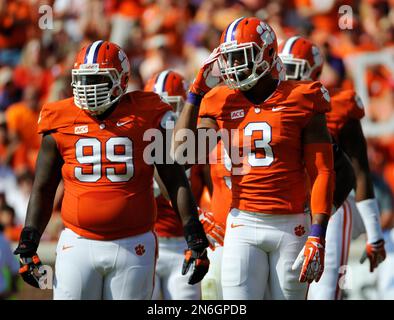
319	162
44	119
319	96
204	110
210	105
160	109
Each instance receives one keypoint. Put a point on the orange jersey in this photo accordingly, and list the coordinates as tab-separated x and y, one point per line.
221	181
168	223
270	176
345	105
23	121
108	187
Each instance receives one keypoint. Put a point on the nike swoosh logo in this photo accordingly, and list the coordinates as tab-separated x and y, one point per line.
119	124
236	225
278	109
67	247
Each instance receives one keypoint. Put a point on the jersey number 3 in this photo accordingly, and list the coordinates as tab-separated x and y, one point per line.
88	152
264	143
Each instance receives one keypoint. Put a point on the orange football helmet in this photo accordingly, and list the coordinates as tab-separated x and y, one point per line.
99	77
303	60
170	86
248	51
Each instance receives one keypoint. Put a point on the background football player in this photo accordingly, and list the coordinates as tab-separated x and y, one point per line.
304	61
170	284
95	142
284	125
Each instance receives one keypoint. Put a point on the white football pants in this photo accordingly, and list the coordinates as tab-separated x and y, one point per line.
338	237
259	251
170	284
211	285
93	270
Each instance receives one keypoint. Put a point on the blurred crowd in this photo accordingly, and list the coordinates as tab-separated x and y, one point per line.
39	40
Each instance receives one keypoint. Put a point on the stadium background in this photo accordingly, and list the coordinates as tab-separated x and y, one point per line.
39	40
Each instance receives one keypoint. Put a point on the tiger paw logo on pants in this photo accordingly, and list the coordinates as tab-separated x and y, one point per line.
139	250
299	230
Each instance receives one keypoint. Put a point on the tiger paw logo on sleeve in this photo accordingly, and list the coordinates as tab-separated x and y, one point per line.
139	250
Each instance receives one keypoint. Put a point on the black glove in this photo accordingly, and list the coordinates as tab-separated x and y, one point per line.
196	253
29	261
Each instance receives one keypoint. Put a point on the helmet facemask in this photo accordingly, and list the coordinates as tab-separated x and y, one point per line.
242	65
176	102
96	89
296	69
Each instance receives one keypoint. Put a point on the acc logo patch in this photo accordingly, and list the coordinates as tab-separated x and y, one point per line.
237	114
81	129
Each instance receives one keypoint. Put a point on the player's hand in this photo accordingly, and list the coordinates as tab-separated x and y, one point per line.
311	258
29	261
200	263
196	254
214	230
375	253
205	79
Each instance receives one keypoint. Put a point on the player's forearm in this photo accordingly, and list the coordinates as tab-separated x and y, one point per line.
177	185
352	141
345	179
187	121
186	204
364	186
359	158
39	210
320	167
47	179
320	219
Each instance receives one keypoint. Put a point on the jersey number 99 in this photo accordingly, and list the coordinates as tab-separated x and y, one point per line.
94	159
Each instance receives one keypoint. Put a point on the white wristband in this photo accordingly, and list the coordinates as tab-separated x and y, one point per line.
370	214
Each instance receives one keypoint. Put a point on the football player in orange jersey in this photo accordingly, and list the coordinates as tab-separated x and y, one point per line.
170	284
281	124
220	172
304	61
95	142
